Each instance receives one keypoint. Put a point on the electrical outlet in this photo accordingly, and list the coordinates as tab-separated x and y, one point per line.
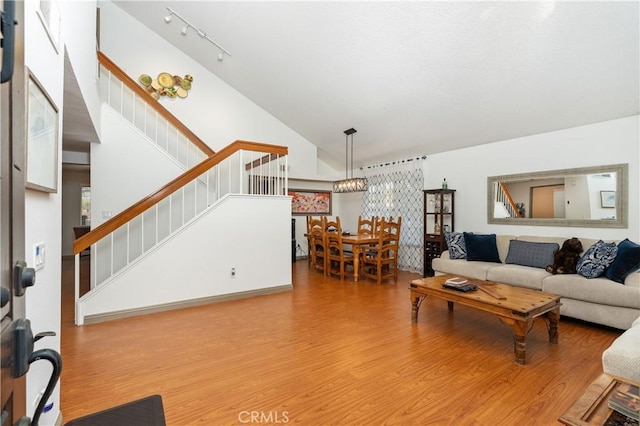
233	272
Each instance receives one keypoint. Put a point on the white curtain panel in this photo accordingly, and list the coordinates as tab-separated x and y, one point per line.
396	190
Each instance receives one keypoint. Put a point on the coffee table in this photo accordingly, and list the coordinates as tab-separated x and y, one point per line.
518	309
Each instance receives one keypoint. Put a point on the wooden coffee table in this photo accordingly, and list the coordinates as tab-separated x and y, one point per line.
518	309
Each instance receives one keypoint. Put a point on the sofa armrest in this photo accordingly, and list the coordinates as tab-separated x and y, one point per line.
622	359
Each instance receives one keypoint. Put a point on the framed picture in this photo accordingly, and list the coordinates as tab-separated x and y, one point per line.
42	139
310	202
608	199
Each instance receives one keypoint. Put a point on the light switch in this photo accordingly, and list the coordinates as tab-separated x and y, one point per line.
38	256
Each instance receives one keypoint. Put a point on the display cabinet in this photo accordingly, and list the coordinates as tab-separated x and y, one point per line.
439	208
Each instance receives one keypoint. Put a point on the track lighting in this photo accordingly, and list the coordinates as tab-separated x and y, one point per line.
201	33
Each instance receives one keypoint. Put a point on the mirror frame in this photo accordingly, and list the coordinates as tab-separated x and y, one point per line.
622	201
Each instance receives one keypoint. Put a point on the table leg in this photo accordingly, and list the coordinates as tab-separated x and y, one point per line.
356	260
553	318
520	329
519	341
416	301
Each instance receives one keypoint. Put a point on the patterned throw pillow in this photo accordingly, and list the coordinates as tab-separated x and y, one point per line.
455	243
597	259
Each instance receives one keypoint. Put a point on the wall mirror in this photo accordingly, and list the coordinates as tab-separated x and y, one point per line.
586	197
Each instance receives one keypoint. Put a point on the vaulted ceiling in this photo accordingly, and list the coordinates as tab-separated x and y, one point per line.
416	77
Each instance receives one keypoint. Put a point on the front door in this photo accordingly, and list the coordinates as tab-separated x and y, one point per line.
12	250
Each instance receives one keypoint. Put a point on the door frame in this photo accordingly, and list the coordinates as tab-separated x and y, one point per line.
13	105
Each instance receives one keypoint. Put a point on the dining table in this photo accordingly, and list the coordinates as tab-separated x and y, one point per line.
357	241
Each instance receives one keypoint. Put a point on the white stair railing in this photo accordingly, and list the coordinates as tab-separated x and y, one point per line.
243	172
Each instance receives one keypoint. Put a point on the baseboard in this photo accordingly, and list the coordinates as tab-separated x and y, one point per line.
96	318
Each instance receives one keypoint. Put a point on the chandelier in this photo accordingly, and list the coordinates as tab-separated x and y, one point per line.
349	184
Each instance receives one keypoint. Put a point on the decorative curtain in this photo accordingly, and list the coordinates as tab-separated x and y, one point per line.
397	191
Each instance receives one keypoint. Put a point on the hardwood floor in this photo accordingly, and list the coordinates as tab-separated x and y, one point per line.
329	352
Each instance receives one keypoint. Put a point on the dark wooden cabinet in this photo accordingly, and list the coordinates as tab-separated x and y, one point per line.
439	208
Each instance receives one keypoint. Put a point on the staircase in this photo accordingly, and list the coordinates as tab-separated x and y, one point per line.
245	176
503	203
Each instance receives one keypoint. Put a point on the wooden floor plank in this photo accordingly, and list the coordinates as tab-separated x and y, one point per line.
329	352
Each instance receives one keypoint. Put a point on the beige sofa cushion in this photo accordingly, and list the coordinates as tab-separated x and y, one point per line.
522	276
595	290
502	241
461	267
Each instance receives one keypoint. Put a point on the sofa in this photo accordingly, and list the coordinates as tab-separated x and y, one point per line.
598	300
621	360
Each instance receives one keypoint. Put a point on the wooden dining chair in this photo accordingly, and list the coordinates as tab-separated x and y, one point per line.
381	262
317	244
312	222
366	226
338	258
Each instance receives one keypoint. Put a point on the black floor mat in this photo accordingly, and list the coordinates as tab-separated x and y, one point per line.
143	412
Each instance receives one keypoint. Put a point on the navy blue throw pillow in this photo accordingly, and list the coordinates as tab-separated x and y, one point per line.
627	260
482	247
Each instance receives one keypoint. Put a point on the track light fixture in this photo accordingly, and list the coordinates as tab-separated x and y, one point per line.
201	33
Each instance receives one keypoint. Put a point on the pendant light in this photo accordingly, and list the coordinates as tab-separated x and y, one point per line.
349	184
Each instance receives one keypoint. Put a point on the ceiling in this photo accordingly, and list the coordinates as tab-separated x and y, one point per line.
416	77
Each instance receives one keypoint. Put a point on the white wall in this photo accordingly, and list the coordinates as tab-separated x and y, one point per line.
202	256
80	18
125	167
43	217
214	111
466	170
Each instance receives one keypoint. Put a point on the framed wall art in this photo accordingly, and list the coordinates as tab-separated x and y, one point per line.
42	139
608	199
310	202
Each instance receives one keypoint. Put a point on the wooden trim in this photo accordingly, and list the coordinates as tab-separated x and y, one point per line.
136	209
138	90
96	318
260	161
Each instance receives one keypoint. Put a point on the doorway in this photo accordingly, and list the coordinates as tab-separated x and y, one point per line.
547	201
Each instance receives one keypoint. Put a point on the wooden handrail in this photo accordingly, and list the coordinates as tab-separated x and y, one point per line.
138	90
141	206
506	193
